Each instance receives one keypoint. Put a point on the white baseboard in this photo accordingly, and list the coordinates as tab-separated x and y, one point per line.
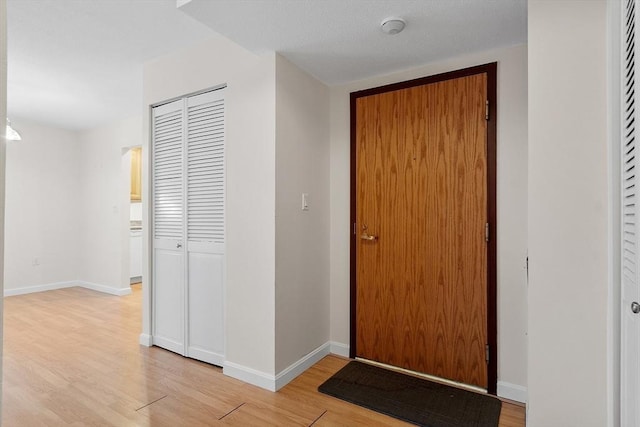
275	382
339	349
270	382
105	289
249	375
512	391
70	284
39	288
298	367
145	340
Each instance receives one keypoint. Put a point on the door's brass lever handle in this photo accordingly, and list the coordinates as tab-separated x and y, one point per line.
368	237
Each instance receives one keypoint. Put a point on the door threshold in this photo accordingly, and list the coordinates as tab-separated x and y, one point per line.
425	376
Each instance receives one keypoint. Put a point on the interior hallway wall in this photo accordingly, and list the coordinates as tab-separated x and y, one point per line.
104	192
67	220
302	236
3	114
43	207
568	215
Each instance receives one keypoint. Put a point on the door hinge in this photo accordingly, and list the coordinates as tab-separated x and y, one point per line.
486	112
486	353
486	231
354	228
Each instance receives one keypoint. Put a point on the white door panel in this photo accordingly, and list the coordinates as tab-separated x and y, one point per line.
169	244
206	305
205	247
630	369
168	294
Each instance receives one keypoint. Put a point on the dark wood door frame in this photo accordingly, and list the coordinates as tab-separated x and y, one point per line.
491	71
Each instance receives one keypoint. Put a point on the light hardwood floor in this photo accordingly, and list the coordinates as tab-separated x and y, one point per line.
71	357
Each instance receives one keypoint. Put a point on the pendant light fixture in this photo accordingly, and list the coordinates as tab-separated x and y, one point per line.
11	134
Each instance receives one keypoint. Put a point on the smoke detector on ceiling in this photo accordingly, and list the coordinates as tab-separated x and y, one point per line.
392	26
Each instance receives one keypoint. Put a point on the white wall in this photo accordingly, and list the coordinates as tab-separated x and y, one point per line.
104	190
302	237
3	114
568	219
43	206
250	209
68	215
511	199
614	25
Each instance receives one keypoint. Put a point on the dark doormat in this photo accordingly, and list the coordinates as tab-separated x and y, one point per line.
411	399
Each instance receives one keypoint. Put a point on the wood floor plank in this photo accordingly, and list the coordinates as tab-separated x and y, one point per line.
263	413
72	358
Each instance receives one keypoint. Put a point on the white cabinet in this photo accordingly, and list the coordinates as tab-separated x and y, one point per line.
189	226
135	254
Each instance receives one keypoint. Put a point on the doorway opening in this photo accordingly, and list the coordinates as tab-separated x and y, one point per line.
132	233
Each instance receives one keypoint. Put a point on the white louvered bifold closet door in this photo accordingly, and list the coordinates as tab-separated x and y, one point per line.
189	226
630	321
205	225
168	279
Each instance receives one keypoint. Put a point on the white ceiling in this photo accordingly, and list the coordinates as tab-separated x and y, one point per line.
77	64
340	40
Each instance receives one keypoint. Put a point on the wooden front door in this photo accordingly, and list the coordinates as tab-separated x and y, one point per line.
420	227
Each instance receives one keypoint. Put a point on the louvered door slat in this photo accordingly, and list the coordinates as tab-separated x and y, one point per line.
167	162
629	161
207	149
205	171
213	137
